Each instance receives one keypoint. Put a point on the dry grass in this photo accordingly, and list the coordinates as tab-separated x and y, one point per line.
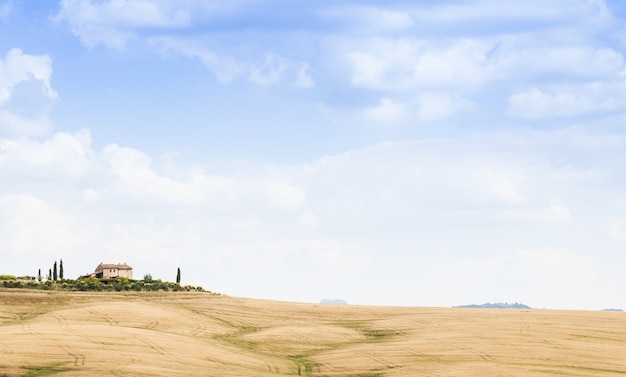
195	334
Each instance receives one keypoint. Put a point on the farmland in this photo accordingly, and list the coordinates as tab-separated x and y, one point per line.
191	333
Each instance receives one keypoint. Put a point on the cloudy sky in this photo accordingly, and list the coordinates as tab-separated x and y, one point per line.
431	153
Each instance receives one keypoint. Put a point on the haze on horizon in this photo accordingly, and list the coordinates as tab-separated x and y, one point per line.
412	153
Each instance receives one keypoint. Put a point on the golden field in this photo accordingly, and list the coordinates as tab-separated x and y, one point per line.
198	334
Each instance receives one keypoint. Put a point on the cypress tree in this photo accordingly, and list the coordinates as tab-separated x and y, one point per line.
39	275
54	271
178	276
49	277
61	270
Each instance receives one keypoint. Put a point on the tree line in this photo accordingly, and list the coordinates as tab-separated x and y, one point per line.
94	284
53	274
55	280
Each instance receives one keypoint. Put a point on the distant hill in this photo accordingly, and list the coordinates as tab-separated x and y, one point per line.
612	310
497	305
334	301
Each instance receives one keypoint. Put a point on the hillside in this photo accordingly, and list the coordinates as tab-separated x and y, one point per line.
495	305
191	334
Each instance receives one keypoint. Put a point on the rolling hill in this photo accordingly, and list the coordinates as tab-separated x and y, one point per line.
198	334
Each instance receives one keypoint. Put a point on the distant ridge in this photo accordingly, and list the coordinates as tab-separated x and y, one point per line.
334	301
497	305
612	310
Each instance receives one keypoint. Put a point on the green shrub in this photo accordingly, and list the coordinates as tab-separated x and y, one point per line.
82	285
122	280
12	284
7	277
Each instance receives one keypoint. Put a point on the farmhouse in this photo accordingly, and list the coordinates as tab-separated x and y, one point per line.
107	271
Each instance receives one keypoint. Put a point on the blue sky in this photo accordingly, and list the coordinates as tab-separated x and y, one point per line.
406	153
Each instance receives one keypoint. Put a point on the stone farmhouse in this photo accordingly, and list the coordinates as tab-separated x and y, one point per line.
108	271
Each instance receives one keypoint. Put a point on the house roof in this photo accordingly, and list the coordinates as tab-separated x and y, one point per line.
123	266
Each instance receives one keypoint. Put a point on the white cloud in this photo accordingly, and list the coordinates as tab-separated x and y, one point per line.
18	67
373	55
438	106
617	228
514	57
444	72
555	265
309	221
269	71
469	64
313	254
17	124
568	100
429	177
275	70
387	64
497	180
6	9
457	65
370	19
62	154
225	67
559	265
113	22
133	181
124	177
484	12
388	111
543	278
283	195
445	200
303	78
25	93
424	107
383	19
30	226
555	212
446	182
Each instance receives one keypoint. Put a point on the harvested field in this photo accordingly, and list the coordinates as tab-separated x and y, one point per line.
197	334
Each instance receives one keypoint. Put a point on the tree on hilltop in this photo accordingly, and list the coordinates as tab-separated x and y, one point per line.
54	271
178	276
61	270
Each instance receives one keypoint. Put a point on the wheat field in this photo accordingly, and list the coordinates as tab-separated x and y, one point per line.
198	334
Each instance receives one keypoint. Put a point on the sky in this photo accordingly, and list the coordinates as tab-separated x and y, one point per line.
410	153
